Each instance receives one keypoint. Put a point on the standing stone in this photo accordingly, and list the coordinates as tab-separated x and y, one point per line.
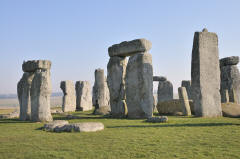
83	95
23	89
230	79
69	98
182	93
116	84
100	90
41	90
139	86
205	75
165	91
187	85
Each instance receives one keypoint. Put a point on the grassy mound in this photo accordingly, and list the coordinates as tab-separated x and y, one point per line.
181	137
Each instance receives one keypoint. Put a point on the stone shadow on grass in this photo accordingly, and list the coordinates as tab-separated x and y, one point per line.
13	121
175	125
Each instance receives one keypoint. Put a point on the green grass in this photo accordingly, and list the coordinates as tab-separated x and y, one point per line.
181	137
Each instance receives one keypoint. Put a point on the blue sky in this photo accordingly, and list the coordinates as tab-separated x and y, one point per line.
75	35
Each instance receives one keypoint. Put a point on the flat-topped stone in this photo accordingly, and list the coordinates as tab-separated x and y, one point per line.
33	65
232	60
127	48
159	78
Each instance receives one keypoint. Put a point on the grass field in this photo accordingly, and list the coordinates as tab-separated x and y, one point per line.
181	137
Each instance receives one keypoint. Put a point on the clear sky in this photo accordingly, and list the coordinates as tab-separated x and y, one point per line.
75	34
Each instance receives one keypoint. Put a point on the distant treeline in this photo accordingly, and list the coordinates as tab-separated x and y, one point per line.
11	96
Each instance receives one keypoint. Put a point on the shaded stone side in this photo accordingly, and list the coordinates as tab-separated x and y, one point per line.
165	91
182	93
83	95
116	83
230	81
139	86
205	75
69	98
23	90
41	90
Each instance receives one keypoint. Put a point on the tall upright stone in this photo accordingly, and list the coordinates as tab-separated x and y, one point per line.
139	86
100	90
69	98
230	79
23	90
205	75
116	84
41	89
182	93
83	95
165	91
187	85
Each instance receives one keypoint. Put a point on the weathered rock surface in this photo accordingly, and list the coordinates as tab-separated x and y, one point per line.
100	90
128	48
40	93
161	119
232	60
116	84
80	127
165	91
102	111
231	110
187	85
53	124
69	97
184	101
205	75
33	65
173	107
230	82
139	86
83	95
159	78
23	90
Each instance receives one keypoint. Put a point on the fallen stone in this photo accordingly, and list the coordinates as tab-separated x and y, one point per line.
14	114
231	110
33	65
80	127
233	60
159	78
161	119
173	107
53	124
205	75
128	48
